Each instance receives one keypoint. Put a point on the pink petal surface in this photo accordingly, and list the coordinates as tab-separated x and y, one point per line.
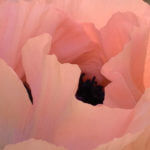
90	48
70	41
147	64
21	20
59	117
138	132
141	114
12	95
110	40
117	33
137	141
128	67
35	50
26	19
33	144
85	126
100	11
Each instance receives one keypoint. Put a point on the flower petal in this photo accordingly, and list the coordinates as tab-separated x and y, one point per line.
85	126
141	114
137	141
33	55
14	106
117	33
21	20
100	11
138	132
51	83
59	117
86	46
147	64
33	144
129	64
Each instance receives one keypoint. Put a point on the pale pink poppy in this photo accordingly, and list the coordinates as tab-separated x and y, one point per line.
48	43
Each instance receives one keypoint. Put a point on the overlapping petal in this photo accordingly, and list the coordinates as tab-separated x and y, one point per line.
138	132
100	11
59	117
31	18
56	115
127	68
33	144
12	95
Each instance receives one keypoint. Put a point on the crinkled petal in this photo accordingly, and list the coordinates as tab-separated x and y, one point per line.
137	134
62	119
129	65
70	41
35	49
86	126
52	83
33	144
141	114
21	20
146	78
90	48
137	141
117	33
14	106
100	11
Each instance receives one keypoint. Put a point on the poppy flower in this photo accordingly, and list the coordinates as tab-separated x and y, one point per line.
51	49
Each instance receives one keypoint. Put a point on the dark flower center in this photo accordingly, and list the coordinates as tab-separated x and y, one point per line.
26	85
89	91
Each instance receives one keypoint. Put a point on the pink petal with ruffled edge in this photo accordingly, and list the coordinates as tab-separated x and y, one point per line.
62	119
138	141
147	64
141	114
33	144
84	45
138	132
129	65
21	20
117	33
31	18
14	106
100	11
38	48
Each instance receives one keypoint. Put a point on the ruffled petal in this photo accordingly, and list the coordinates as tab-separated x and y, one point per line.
137	141
52	84
117	33
62	119
14	106
90	48
33	144
137	134
141	114
127	66
100	11
146	66
86	126
35	49
21	20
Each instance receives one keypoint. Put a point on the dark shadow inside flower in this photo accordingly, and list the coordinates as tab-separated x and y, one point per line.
89	91
28	89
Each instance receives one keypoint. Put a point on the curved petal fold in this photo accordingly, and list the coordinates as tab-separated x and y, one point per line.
33	144
14	106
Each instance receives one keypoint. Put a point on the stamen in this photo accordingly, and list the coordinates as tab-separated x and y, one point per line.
89	91
26	85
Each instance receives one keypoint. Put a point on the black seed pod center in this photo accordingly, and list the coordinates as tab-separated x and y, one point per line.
89	91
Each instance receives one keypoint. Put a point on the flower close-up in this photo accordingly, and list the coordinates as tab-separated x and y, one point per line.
74	75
